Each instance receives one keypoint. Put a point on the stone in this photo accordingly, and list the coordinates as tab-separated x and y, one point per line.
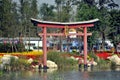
51	64
115	59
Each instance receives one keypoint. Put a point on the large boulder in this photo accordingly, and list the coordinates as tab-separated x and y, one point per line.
1	66
115	59
93	63
51	64
6	59
30	60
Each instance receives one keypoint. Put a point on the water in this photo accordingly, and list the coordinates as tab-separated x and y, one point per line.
62	75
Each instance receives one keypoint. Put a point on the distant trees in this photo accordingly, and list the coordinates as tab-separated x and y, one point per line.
11	47
46	12
115	25
90	9
6	17
28	9
15	17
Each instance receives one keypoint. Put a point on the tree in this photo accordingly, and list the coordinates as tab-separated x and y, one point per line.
24	12
115	25
46	12
34	14
1	9
15	20
6	17
89	2
28	9
84	12
34	9
104	27
58	8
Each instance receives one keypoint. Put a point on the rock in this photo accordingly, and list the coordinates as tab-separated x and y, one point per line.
1	66
115	59
95	63
72	58
6	59
51	64
30	60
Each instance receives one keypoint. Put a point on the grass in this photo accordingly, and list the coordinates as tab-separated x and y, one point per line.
61	61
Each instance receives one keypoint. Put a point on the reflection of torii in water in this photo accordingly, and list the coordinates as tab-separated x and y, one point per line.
47	24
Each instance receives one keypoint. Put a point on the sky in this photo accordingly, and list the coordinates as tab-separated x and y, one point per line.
52	1
46	1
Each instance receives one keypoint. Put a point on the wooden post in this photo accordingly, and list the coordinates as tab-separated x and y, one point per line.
44	48
85	47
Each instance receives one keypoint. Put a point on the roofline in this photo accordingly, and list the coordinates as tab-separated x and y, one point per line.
64	23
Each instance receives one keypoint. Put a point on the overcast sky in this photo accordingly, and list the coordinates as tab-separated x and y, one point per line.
52	1
46	1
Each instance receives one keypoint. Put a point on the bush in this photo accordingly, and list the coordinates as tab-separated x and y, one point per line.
93	55
7	48
60	60
103	64
113	65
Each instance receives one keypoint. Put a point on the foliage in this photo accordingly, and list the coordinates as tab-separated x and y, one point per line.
102	29
60	60
20	47
84	12
93	55
113	65
103	63
8	47
47	12
23	62
6	16
115	25
15	18
16	64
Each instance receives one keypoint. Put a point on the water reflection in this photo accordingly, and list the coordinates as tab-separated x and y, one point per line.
85	75
70	74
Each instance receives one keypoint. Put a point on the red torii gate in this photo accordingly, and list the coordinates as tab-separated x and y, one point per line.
47	24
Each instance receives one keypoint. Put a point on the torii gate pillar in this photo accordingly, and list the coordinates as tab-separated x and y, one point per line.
44	48
85	47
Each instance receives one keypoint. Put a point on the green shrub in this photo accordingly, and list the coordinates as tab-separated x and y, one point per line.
113	65
60	60
93	55
8	48
5	47
103	64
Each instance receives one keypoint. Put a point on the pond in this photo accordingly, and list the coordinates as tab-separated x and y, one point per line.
69	74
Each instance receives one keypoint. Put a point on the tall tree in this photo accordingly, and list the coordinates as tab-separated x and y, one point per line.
25	11
59	8
84	12
34	14
34	9
46	12
1	17
104	27
115	25
6	17
15	25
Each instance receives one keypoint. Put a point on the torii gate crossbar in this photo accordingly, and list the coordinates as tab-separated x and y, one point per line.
47	24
